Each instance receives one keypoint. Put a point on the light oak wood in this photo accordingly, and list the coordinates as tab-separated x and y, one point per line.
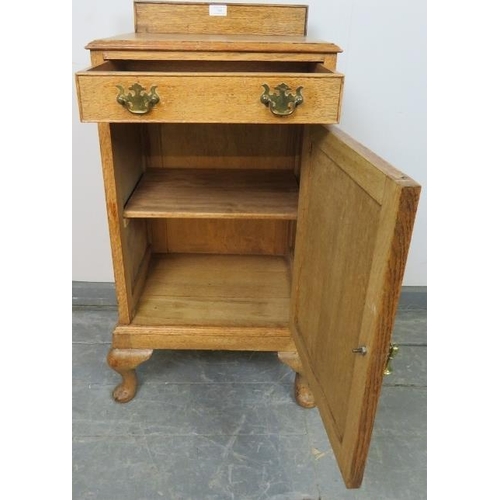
312	289
214	43
124	362
240	146
122	287
97	58
164	17
126	141
349	261
204	337
204	97
356	162
215	290
139	277
121	166
208	194
219	236
128	165
303	394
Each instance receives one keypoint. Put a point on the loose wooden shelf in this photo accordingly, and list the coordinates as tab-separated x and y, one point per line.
208	193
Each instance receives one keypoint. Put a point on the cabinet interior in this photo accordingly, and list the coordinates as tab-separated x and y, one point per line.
209	216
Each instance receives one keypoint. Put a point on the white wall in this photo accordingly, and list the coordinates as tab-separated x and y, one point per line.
384	106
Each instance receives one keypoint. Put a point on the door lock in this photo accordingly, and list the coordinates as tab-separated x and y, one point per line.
393	350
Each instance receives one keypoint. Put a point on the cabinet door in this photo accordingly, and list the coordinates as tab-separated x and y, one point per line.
355	221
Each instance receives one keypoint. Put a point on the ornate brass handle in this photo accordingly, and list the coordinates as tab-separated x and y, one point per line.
284	102
139	102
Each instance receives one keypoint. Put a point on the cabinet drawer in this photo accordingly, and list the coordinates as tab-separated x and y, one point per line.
209	92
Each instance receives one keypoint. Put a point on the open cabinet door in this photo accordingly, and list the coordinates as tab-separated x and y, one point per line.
355	221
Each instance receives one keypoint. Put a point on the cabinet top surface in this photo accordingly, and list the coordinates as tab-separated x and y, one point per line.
215	43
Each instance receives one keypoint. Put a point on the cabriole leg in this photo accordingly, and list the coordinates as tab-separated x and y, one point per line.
124	361
303	394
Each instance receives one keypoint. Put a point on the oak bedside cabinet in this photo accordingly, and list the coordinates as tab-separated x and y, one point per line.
237	220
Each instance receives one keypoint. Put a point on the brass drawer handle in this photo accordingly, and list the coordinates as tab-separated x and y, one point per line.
284	102
140	102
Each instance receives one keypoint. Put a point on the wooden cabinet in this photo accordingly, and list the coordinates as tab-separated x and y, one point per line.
237	221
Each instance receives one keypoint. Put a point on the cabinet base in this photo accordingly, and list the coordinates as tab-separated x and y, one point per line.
231	338
125	361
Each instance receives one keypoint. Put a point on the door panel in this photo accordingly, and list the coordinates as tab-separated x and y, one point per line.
354	227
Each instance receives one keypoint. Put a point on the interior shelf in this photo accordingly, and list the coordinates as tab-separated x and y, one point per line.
215	290
210	193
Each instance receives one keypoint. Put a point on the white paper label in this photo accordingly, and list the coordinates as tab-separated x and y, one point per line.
217	10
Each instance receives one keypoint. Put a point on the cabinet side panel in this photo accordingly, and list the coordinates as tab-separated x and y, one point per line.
128	158
123	169
195	18
245	146
216	236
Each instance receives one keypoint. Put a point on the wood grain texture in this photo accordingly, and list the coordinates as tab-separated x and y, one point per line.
355	160
124	362
208	97
303	394
173	55
241	146
214	43
97	58
122	163
232	338
208	194
254	19
215	290
335	255
396	225
349	262
141	273
219	236
127	154
128	161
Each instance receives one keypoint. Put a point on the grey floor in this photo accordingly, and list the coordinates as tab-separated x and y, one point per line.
223	425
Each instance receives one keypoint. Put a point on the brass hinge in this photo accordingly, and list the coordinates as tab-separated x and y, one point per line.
393	350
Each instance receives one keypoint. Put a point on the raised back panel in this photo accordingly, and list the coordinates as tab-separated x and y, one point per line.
241	19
